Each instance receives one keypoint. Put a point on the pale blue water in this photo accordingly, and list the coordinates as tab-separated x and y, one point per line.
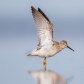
18	37
15	64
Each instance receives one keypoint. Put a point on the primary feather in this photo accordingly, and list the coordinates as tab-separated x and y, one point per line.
44	27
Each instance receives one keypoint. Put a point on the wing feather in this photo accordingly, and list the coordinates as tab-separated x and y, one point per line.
44	27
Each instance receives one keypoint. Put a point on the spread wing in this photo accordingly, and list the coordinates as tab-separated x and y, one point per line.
44	27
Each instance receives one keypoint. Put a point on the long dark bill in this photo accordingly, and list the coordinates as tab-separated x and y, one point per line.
70	48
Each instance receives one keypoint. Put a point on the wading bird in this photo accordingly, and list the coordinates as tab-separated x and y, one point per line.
46	47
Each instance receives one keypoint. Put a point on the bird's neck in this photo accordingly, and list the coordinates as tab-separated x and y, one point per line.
58	47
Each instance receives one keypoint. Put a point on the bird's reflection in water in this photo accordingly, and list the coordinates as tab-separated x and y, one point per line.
47	77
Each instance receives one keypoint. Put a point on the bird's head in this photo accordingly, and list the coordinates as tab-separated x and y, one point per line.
64	45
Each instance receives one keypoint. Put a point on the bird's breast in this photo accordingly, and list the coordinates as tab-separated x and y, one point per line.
48	51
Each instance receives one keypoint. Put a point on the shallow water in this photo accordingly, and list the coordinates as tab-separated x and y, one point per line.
16	65
18	40
18	37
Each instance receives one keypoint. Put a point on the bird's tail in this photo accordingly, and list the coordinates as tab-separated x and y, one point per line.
33	53
29	55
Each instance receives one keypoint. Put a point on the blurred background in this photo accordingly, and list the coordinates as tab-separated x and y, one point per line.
18	37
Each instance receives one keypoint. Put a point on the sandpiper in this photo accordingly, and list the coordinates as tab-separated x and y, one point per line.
46	47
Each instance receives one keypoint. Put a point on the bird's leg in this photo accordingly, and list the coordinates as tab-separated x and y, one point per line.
44	66
45	60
